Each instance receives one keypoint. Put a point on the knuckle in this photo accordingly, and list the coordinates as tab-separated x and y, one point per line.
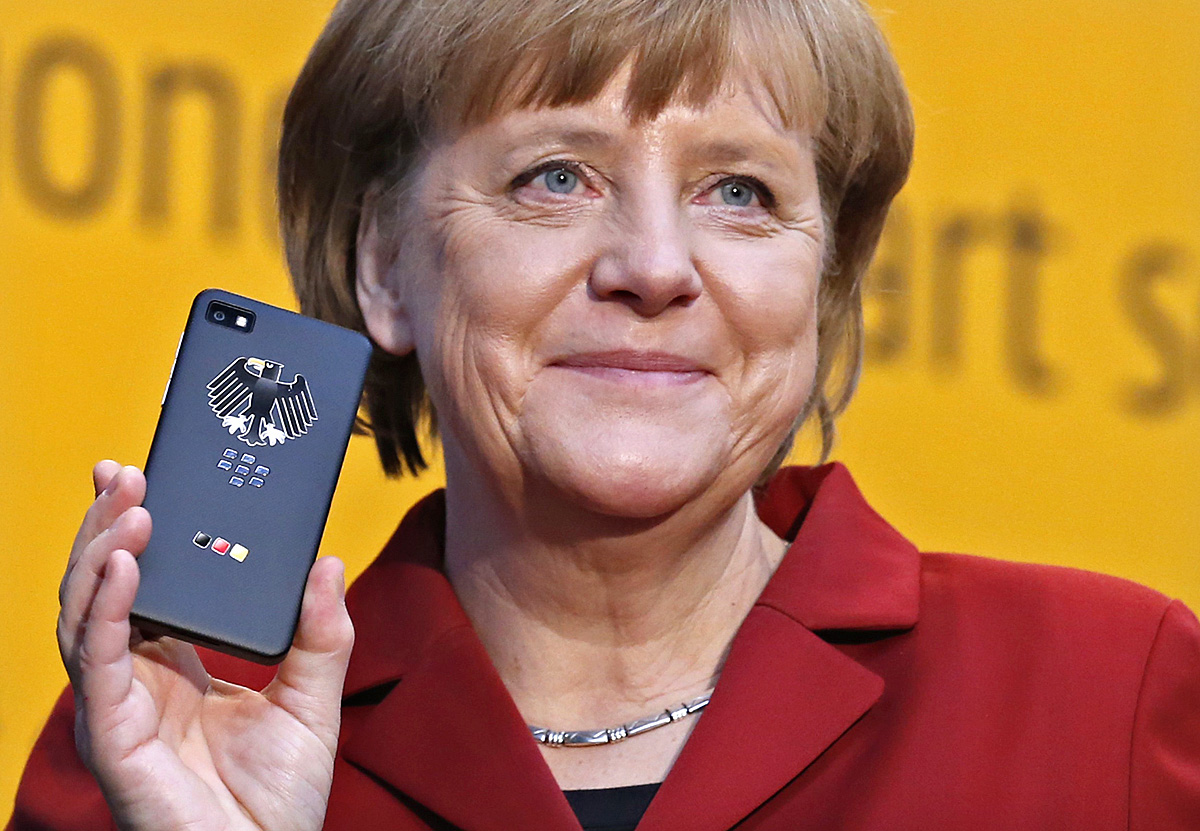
85	659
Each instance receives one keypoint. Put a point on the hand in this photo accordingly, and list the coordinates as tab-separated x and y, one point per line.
171	746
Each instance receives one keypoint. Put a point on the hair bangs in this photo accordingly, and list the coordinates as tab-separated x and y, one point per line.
550	53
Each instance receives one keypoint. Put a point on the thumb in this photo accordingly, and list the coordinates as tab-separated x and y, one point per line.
309	682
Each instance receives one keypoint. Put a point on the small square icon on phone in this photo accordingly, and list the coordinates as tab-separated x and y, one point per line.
202	539
220	545
238	552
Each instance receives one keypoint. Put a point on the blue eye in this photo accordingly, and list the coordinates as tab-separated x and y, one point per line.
737	193
560	180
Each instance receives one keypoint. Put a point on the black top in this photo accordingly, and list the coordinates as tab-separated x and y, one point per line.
611	809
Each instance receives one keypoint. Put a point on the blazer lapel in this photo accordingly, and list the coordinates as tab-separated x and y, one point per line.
847	568
448	734
786	695
449	737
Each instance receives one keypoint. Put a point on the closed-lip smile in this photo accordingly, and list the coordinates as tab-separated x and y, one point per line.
650	368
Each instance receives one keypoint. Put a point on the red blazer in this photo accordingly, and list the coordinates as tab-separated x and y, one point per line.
871	687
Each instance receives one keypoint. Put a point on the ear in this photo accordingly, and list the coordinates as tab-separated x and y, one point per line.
377	283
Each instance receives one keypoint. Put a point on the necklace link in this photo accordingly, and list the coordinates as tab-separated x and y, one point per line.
611	735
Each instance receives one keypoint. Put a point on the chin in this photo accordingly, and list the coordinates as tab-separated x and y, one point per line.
635	497
637	456
615	479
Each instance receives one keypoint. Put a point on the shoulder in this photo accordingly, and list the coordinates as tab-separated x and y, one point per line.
1041	591
1102	665
1069	622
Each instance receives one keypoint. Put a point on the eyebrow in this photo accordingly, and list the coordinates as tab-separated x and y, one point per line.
586	138
517	145
581	137
722	151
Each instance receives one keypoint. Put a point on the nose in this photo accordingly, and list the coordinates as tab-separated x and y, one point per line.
649	265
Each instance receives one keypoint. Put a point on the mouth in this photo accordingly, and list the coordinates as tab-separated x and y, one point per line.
634	367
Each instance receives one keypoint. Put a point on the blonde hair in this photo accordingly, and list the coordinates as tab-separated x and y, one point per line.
387	76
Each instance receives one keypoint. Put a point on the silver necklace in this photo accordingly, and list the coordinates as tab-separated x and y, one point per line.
608	735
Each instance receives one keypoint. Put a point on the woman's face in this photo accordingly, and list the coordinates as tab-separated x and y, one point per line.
621	312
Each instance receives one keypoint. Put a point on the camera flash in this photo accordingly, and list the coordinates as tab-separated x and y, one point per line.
241	321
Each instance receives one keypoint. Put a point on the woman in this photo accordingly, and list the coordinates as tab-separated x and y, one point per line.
617	248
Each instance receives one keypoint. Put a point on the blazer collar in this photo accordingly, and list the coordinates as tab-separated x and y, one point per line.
448	735
847	568
785	695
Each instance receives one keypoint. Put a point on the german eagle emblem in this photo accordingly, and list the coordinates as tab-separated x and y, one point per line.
253	403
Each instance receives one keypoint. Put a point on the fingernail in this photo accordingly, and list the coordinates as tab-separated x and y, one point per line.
112	483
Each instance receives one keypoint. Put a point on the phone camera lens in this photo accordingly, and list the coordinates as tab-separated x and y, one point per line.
220	313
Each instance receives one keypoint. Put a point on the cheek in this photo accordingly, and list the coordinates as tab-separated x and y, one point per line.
492	288
506	278
770	300
769	305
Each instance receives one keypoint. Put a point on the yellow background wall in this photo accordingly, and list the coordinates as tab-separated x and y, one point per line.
1033	383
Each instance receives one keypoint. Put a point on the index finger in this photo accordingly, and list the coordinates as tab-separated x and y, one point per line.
125	488
106	481
103	473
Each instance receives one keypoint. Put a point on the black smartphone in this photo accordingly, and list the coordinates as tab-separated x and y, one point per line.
255	421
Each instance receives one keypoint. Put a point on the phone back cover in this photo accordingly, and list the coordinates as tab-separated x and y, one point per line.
241	473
